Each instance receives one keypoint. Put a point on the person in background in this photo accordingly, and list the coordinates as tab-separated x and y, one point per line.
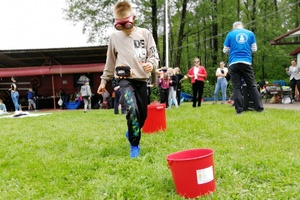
106	100
221	84
15	94
149	90
6	99
2	108
31	99
261	84
179	77
172	89
116	86
160	74
134	48
36	94
197	74
294	72
164	83
240	44
63	98
86	94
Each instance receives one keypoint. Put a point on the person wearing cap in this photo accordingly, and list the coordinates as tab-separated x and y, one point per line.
86	94
240	44
133	48
15	94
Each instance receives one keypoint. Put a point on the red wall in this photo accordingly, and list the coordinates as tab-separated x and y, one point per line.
66	82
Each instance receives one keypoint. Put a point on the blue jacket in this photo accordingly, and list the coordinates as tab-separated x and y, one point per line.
30	95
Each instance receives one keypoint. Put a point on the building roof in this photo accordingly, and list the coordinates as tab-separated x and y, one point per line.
32	62
53	56
291	37
295	52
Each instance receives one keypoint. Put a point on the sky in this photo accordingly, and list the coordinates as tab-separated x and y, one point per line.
30	24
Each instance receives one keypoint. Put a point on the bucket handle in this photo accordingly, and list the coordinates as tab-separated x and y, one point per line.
160	107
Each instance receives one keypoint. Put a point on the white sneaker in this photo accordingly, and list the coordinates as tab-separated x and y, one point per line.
17	112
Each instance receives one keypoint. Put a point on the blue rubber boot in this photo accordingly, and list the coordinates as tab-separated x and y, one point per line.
135	151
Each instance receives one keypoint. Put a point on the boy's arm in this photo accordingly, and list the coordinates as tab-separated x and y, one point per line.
109	68
152	54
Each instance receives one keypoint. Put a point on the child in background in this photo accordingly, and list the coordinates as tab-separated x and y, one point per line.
2	108
86	94
165	83
172	89
31	99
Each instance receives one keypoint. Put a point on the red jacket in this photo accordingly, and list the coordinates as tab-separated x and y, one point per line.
201	72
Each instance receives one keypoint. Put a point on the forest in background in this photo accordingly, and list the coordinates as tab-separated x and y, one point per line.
197	28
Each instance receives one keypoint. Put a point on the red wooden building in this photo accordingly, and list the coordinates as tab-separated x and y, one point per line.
49	70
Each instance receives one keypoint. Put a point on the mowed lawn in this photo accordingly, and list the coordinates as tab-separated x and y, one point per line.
74	155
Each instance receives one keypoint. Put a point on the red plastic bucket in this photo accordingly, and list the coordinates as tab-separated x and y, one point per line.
156	119
193	172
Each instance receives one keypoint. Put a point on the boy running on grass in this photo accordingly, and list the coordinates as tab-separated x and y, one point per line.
131	56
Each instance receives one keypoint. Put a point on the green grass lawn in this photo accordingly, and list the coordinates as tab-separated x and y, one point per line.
76	155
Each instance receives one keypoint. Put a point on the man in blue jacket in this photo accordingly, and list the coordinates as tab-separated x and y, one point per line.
240	44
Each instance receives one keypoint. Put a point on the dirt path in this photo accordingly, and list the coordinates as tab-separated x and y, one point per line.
292	106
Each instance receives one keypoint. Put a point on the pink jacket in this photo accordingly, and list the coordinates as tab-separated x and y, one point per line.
201	72
165	84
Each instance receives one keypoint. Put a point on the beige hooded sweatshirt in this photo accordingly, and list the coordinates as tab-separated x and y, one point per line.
130	50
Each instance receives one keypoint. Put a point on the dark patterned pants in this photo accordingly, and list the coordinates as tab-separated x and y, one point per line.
135	100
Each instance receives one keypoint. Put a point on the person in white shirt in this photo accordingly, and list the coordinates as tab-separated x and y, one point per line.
294	72
221	84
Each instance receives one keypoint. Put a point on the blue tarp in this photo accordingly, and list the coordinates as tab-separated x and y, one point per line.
186	96
73	105
280	82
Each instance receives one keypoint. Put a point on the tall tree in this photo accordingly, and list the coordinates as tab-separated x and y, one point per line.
199	27
214	33
96	16
181	32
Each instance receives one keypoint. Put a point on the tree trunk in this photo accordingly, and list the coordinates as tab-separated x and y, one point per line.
214	33
180	34
154	21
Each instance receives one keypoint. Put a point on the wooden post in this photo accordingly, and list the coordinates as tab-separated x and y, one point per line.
53	92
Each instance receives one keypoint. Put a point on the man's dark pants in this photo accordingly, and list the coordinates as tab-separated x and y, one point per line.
245	71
